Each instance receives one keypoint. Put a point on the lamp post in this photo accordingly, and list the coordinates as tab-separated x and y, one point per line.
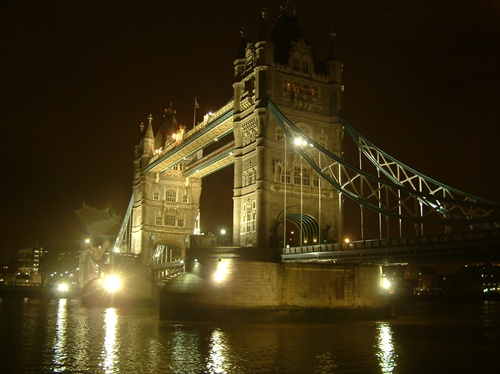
319	198
299	142
222	236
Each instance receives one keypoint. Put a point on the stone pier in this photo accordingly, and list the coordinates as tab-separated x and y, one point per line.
228	287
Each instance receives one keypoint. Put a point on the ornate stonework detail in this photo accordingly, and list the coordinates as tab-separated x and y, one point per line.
249	129
278	170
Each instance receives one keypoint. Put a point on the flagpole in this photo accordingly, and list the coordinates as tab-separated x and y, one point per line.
196	106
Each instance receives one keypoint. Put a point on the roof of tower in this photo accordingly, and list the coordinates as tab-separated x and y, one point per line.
167	125
264	31
285	32
243	45
332	50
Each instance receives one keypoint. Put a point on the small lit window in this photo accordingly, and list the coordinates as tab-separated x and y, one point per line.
305	67
184	199
286	85
285	177
170	195
158	221
156	195
315	181
296	175
279	134
180	222
170	220
306	177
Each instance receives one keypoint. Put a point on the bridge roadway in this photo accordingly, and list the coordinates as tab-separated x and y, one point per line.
483	245
216	126
477	246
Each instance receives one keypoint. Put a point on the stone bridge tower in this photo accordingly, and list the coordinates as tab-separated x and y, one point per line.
165	208
270	182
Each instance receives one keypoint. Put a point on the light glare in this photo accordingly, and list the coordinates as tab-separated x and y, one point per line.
112	283
62	287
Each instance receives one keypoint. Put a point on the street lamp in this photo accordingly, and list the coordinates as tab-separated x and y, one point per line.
222	236
299	142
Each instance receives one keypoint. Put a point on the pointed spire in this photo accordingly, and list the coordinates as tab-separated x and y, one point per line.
264	32
243	45
149	131
285	9
332	51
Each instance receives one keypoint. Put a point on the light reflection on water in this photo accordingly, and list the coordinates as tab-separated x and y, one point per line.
216	363
59	347
110	347
61	336
385	354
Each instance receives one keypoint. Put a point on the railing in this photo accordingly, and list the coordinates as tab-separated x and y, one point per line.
168	270
211	158
467	239
212	120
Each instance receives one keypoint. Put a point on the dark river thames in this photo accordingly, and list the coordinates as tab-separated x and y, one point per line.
60	336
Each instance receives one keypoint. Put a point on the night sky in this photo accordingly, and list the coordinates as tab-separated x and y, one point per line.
78	78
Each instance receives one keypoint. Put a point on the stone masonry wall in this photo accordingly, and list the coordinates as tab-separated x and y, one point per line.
247	285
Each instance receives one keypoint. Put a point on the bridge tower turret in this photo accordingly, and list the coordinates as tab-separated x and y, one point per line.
166	204
278	199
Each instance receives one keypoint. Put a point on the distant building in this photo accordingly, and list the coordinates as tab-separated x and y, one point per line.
29	263
478	280
411	280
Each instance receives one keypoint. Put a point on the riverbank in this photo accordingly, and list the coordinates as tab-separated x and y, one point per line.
38	292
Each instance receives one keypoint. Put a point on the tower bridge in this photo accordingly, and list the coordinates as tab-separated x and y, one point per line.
286	194
283	133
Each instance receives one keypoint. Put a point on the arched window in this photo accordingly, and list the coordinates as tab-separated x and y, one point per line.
170	220
305	66
170	195
279	134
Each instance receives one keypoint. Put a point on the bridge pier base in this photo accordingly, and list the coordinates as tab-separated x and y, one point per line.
226	288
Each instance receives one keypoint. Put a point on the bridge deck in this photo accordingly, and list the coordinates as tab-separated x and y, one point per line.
484	244
217	126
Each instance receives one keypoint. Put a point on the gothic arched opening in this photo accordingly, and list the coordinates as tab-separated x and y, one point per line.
309	227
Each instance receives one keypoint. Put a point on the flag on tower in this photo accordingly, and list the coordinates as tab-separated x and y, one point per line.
196	106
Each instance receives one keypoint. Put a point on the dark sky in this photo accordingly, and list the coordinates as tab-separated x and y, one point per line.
78	78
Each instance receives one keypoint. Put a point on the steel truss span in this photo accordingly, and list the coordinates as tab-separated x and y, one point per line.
395	190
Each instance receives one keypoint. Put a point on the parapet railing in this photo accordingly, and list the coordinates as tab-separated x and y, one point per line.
464	237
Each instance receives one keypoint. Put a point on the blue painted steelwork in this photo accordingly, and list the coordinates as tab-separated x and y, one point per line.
122	234
476	245
391	197
177	148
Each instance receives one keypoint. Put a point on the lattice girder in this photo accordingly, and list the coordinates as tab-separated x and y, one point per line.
397	191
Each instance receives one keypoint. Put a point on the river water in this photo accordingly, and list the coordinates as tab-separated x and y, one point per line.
42	336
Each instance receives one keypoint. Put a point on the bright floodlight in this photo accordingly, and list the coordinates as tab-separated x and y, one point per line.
221	272
112	283
62	287
300	142
386	284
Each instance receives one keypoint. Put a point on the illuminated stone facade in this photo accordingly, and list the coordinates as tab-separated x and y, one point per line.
271	180
281	67
165	205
